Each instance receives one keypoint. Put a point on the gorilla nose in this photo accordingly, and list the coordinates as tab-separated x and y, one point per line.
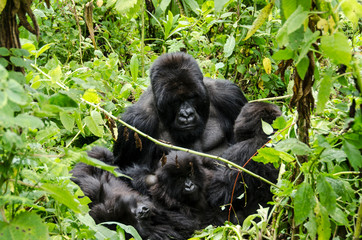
186	117
189	185
142	212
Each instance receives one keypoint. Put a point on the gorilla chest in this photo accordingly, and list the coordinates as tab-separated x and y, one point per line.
212	140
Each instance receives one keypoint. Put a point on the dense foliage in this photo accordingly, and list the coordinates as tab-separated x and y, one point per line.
77	77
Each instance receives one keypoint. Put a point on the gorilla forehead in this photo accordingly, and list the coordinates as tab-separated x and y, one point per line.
176	73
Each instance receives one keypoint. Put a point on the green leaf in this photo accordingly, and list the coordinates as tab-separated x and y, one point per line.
62	195
353	11
56	74
302	67
101	232
279	123
41	50
288	7
134	67
337	48
27	121
263	15
283	54
311	225
326	194
92	96
121	6
4	52
47	134
324	91
353	154
168	24
304	202
78	121
164	4
93	122
67	120
294	145
63	100
219	4
323	224
192	4
17	61
229	46
339	216
16	92
3	98
267	128
26	225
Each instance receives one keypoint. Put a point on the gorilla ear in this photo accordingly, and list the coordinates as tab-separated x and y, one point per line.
151	180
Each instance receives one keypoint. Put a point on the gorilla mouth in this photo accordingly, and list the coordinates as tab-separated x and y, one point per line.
187	127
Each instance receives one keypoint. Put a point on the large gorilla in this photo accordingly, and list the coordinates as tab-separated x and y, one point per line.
181	107
250	137
113	200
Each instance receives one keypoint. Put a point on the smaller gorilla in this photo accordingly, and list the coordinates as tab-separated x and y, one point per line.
113	200
250	137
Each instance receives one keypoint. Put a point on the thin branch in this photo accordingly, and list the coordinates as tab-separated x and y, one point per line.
271	99
49	77
158	142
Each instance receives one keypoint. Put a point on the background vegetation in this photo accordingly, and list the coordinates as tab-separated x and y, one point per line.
304	56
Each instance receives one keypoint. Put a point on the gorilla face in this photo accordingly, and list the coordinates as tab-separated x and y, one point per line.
180	181
181	98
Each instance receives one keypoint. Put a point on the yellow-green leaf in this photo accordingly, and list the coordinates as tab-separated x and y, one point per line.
267	65
263	15
91	95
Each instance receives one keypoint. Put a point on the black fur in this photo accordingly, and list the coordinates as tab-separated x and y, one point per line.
250	136
113	200
181	107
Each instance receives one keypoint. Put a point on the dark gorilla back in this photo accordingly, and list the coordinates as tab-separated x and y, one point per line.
180	107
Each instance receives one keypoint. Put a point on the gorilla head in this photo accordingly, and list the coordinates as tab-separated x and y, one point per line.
180	96
180	182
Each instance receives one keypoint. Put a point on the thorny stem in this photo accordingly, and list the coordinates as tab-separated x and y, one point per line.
180	148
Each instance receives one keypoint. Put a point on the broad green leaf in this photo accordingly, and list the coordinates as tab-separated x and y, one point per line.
4	74
193	5
229	46
2	5
92	96
168	24
3	99
353	10
164	4
4	52
323	224
134	67
293	145
326	194
16	92
28	47
311	225
309	39
339	216
279	123
27	121
126	90
56	74
353	154
324	91
283	54
62	100
62	195
94	122
101	232
302	67
128	229
17	61
304	202
288	7
336	47
121	6
26	225
67	120
267	128
11	139
267	155
219	4
263	15
341	188
47	133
